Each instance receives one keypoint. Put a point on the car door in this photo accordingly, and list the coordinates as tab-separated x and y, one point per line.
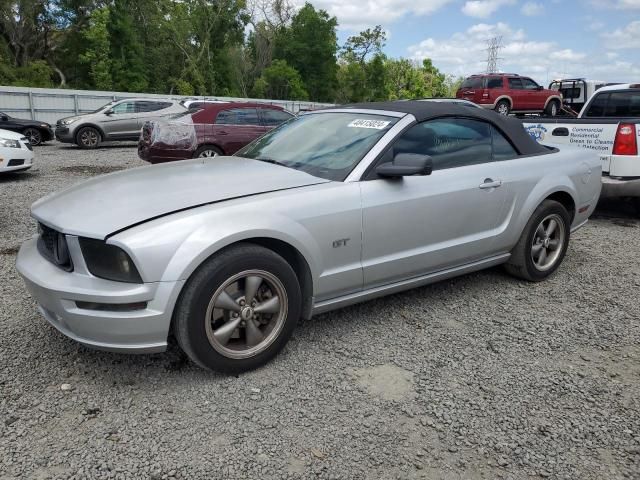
236	127
421	224
121	121
534	96
517	94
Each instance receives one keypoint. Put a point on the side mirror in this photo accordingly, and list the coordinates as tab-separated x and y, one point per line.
406	165
4	118
539	87
108	112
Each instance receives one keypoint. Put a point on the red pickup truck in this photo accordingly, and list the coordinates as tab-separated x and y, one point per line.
506	93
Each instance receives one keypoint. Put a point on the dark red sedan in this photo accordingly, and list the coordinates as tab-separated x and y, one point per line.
207	131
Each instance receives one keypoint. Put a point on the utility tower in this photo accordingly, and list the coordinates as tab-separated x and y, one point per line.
494	45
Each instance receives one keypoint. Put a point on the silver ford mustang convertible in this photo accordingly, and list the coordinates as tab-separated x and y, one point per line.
332	208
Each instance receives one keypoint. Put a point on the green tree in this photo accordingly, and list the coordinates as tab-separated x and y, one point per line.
127	51
434	80
309	45
404	80
280	81
367	42
97	56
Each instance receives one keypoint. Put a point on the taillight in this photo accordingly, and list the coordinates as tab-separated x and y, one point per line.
625	142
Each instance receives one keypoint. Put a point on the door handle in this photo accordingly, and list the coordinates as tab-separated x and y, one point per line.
489	183
223	132
560	132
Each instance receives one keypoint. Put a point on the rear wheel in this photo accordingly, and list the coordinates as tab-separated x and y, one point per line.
88	137
33	135
238	310
553	108
543	243
503	107
207	151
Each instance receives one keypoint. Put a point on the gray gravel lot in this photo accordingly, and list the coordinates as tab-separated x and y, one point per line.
482	377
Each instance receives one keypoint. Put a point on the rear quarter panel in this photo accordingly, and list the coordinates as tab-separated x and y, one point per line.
532	179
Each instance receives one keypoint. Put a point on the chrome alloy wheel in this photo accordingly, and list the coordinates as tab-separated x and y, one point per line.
89	138
246	314
548	241
208	153
503	109
33	135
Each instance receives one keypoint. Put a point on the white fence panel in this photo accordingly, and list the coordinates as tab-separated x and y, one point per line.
51	104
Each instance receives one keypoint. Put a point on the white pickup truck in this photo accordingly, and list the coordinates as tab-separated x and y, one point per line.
609	123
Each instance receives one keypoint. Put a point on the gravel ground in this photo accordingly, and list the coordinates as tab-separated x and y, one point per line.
482	377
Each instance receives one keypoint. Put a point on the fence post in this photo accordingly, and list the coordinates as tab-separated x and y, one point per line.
75	103
33	116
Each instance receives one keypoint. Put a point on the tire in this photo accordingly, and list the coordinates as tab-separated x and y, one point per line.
523	263
207	151
88	138
553	108
503	107
216	291
34	135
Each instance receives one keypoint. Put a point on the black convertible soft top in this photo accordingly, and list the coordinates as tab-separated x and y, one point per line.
426	110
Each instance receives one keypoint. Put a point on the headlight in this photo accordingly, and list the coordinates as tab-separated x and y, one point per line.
69	121
108	261
7	142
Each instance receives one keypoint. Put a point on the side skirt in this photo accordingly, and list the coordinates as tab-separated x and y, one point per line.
363	296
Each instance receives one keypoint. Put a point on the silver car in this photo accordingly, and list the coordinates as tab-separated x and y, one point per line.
332	208
118	120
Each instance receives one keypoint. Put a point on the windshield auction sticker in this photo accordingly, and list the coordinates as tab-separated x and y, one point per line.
362	123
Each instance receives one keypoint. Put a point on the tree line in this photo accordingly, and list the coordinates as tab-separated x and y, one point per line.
259	48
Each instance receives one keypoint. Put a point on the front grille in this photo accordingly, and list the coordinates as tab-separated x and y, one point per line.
15	162
53	246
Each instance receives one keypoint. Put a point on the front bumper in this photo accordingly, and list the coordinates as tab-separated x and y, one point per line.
615	188
64	135
15	159
132	331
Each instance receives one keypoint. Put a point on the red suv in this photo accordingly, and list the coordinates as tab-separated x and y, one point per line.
505	93
209	130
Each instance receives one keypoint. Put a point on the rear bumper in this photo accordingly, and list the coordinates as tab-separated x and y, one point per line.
131	331
613	187
161	155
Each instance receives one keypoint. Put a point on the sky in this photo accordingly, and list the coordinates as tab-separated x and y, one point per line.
543	39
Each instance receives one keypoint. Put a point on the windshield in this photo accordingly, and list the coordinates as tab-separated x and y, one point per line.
326	145
104	106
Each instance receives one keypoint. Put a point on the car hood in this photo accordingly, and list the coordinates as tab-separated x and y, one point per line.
110	203
10	135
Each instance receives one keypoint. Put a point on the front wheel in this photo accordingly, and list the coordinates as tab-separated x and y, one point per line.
543	243
88	137
34	136
238	310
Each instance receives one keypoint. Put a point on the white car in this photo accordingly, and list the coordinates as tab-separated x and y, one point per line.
16	153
